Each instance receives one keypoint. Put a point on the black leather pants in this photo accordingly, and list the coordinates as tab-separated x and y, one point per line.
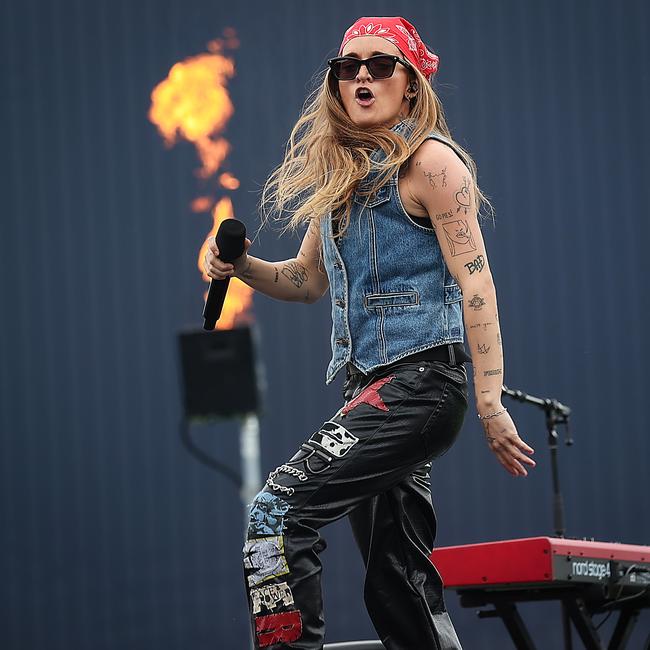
370	461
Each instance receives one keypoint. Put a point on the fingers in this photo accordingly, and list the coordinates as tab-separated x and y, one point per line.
213	266
511	453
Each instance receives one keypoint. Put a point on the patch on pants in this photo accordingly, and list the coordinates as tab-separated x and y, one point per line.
266	516
266	557
334	439
270	596
369	395
278	628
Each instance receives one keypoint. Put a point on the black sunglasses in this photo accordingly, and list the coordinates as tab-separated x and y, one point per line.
381	66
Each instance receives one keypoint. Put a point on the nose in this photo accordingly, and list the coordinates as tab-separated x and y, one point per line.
367	73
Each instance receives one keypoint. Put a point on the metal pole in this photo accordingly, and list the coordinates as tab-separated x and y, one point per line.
249	450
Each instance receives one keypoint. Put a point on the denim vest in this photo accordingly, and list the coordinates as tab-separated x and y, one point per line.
392	293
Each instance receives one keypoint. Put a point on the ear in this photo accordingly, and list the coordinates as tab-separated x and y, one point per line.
411	90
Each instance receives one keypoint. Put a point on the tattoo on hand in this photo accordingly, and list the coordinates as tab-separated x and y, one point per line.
488	373
459	237
476	264
476	303
432	178
295	272
483	348
463	196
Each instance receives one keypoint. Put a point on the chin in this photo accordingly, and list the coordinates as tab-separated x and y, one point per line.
367	121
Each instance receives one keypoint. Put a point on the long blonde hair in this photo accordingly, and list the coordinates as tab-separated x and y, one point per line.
327	155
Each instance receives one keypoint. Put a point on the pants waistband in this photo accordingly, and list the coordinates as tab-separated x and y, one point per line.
452	353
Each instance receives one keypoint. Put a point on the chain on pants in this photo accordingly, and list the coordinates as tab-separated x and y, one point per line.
370	461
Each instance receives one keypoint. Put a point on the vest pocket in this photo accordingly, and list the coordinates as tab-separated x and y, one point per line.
452	293
377	301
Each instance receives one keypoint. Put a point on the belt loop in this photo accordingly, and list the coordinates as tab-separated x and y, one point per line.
452	354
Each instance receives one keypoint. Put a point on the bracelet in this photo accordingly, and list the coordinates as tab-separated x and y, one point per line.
492	415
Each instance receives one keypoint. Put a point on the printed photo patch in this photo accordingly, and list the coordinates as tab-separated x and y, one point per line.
278	628
271	596
334	439
265	556
266	517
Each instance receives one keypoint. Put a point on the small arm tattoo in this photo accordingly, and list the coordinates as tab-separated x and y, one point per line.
476	303
483	325
296	273
432	178
488	373
463	197
459	237
476	265
247	272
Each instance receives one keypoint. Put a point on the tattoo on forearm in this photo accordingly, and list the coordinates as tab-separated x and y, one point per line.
296	273
476	303
277	275
489	373
483	325
463	196
432	178
476	264
247	273
459	237
483	348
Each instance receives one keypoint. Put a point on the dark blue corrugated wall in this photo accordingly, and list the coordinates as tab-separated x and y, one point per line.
112	536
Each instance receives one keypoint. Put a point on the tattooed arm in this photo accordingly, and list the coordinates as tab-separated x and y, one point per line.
297	280
443	186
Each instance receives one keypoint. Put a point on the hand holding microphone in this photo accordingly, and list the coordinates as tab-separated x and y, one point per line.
226	256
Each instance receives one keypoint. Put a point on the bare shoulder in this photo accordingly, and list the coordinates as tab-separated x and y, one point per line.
433	161
439	178
433	167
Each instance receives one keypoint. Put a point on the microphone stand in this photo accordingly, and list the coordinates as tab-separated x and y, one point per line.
556	413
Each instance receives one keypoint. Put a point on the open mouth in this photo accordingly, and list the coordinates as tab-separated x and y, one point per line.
364	96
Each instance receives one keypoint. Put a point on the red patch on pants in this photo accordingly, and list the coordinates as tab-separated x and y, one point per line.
278	628
369	395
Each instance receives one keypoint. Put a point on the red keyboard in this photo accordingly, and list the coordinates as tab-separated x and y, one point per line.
540	560
587	577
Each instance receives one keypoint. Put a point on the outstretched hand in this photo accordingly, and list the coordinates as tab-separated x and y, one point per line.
510	450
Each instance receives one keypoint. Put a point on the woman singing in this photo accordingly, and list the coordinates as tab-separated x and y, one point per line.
390	203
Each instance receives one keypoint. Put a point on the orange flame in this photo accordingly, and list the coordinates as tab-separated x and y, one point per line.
228	181
193	104
202	204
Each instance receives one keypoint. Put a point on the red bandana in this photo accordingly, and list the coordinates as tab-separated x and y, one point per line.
401	33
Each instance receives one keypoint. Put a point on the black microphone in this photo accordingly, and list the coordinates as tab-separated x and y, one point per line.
230	242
